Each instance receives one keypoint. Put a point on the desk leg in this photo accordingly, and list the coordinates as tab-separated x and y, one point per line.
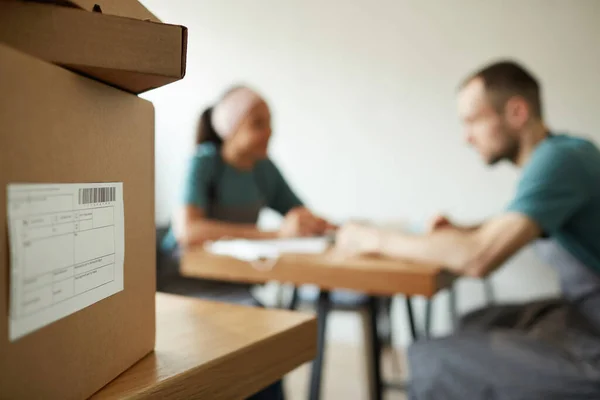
323	307
294	299
384	320
411	317
373	345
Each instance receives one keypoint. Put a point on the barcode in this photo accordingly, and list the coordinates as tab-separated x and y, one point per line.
97	195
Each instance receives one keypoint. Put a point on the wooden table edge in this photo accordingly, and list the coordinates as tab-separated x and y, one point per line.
376	282
162	390
192	383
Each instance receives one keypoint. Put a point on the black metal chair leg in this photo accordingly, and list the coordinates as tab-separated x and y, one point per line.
384	320
323	307
411	318
373	346
294	299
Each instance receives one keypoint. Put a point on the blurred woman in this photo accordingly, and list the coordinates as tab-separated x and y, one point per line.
229	180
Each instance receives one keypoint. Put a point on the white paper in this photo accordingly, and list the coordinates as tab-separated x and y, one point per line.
255	250
67	249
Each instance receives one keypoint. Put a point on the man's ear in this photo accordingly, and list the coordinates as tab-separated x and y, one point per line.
516	112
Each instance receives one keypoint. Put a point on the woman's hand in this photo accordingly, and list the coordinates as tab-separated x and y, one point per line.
300	222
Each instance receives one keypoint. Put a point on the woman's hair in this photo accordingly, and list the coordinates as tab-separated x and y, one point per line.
205	132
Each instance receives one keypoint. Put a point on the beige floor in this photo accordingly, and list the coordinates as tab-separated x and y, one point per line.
344	375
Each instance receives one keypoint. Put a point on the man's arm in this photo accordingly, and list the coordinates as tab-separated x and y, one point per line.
554	186
475	253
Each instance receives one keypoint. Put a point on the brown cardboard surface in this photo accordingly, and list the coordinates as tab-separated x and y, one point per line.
123	52
121	8
59	127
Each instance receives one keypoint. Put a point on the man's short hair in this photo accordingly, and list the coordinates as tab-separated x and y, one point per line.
505	79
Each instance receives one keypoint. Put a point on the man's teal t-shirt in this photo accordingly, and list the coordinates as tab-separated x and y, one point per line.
560	190
235	189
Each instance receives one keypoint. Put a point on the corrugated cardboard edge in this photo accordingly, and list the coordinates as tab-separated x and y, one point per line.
184	38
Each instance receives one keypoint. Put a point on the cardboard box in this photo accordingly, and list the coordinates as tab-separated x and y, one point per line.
60	127
133	55
121	8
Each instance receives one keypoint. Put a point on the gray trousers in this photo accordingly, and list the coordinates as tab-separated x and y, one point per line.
169	280
543	350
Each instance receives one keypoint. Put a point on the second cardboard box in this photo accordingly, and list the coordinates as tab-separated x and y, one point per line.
127	53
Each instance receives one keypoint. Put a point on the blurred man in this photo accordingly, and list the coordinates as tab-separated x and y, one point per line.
542	350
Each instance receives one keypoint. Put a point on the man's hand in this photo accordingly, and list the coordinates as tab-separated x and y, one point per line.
354	239
300	222
440	221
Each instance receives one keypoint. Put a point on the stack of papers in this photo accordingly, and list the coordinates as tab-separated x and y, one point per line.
256	250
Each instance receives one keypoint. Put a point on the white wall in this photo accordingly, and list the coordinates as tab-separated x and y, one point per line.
363	99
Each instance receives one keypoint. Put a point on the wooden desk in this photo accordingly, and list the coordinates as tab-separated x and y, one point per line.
210	350
375	276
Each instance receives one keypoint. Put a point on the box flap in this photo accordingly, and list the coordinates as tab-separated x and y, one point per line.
123	52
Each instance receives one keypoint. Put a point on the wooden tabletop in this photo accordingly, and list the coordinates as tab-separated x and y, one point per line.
376	276
210	350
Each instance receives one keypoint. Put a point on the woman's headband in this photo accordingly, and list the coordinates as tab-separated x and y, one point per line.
232	109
